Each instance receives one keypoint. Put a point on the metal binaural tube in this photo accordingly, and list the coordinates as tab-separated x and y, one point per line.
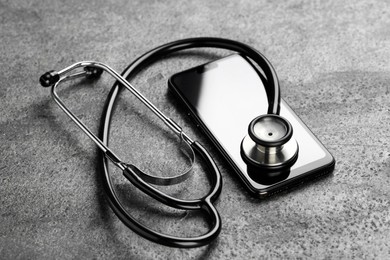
93	69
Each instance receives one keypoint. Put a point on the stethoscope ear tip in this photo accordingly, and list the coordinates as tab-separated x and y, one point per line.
49	78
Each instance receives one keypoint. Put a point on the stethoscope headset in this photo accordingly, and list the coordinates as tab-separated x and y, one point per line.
269	145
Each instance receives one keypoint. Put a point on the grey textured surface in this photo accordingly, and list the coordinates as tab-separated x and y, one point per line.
333	61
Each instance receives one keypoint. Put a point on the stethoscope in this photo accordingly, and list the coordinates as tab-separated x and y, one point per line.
269	145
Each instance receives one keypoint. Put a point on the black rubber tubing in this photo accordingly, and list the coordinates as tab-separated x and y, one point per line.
205	203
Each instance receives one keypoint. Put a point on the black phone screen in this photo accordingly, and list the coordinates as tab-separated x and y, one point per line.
224	96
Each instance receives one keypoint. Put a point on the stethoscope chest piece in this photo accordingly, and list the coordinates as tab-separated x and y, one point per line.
269	144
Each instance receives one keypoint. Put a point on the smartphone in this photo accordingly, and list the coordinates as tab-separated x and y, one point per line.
223	97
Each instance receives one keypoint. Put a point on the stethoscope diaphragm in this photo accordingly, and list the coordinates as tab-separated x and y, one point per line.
269	144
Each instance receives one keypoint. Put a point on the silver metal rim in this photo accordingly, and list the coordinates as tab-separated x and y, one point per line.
269	156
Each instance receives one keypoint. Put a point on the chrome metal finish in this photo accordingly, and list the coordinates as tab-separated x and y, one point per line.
65	76
269	143
269	156
269	131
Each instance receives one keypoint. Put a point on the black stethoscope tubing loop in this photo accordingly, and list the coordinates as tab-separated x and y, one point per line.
94	69
131	172
205	203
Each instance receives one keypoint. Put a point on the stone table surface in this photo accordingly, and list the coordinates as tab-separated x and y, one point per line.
333	62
